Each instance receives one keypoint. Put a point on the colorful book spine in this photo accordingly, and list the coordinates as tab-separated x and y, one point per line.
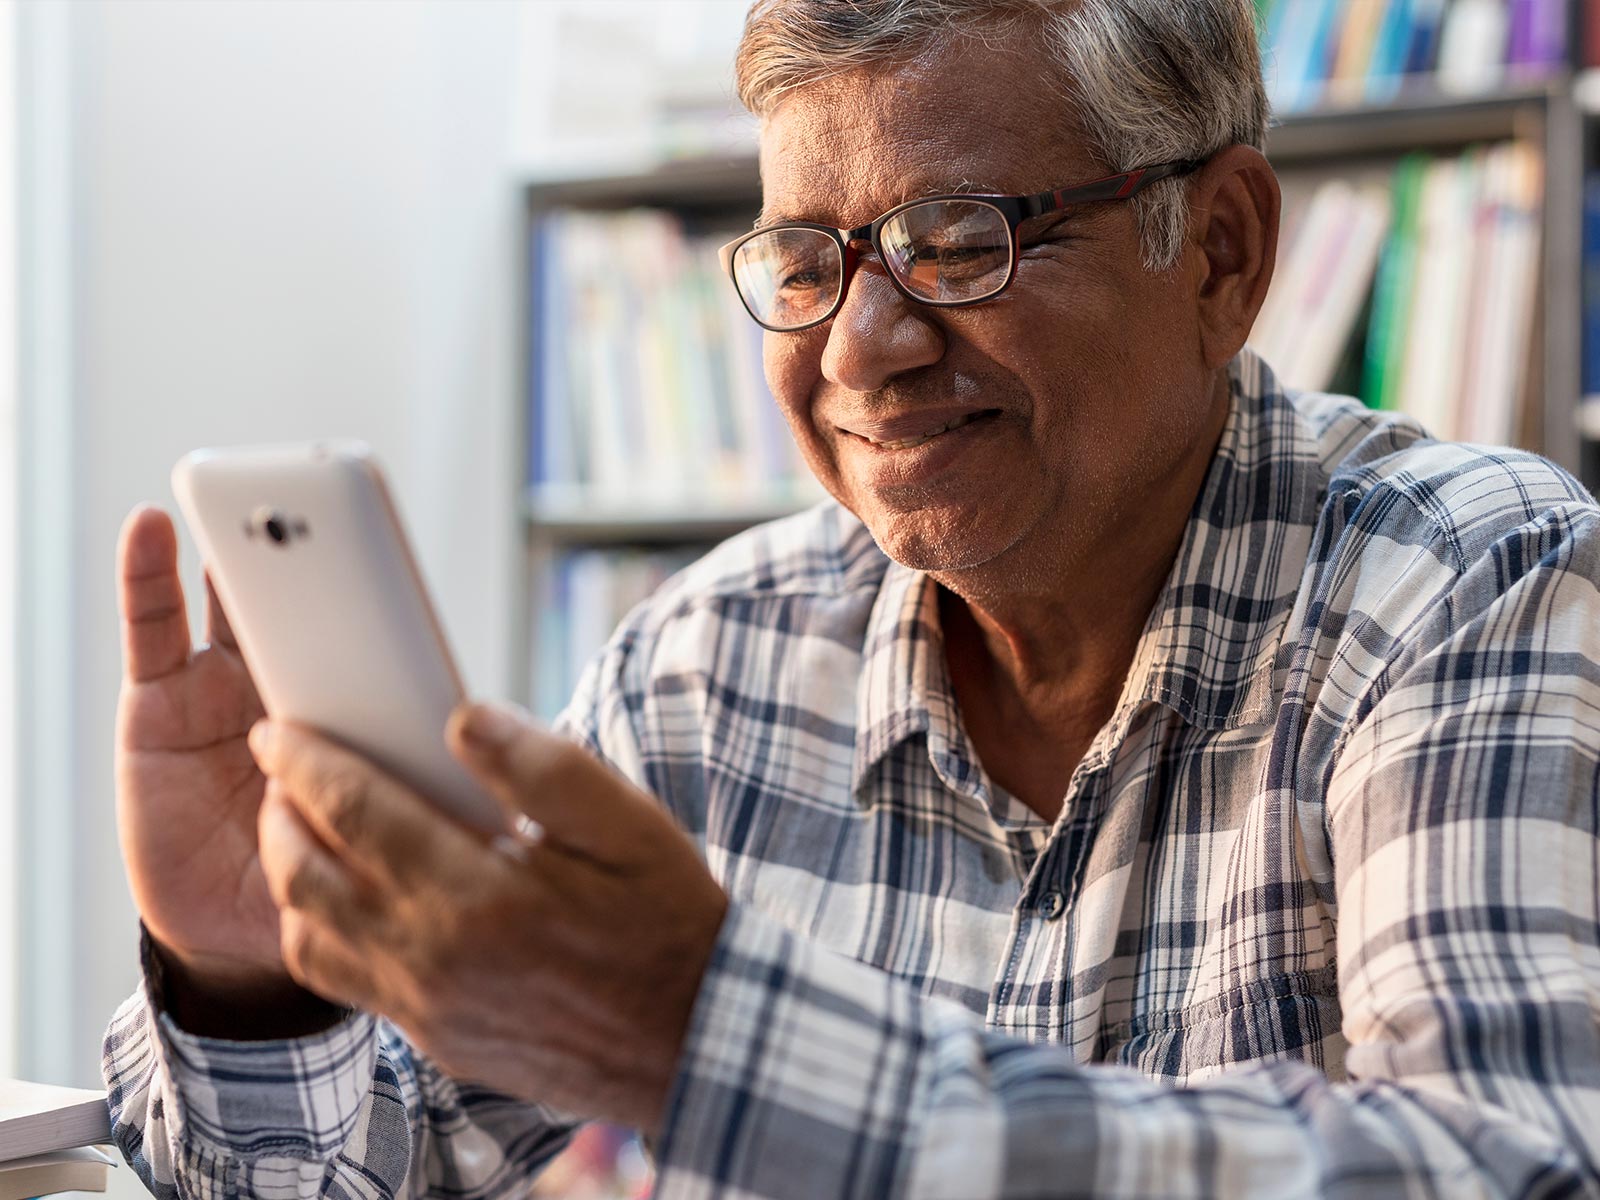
1422	45
1388	64
1391	306
1538	38
1591	284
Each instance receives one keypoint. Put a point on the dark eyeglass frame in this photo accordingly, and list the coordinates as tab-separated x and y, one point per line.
1015	210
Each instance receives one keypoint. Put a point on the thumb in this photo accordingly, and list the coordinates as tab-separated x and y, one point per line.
573	797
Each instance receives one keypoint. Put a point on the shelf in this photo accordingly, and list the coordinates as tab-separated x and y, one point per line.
567	516
702	182
1425	120
1422	120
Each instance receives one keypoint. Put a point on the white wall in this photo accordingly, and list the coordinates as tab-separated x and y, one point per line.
278	221
9	828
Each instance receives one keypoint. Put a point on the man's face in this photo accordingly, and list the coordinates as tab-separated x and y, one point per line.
1075	394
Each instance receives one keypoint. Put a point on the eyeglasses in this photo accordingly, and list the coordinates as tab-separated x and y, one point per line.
945	251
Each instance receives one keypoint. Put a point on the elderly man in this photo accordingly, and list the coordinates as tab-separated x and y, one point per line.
1140	781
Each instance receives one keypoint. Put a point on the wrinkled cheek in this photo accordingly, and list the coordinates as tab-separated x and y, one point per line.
793	368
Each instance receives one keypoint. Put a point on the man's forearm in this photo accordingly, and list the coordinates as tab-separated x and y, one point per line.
809	1074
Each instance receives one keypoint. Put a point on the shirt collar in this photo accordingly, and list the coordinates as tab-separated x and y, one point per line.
1209	650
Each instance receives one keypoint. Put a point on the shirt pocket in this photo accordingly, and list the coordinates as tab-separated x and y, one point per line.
1294	1016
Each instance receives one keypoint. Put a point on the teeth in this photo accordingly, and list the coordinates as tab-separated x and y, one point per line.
907	443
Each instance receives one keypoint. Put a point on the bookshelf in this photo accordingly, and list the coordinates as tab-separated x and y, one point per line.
563	519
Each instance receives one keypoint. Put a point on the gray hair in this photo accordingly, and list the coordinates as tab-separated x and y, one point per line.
1152	80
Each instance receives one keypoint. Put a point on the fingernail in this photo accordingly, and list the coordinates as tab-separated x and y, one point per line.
261	738
489	725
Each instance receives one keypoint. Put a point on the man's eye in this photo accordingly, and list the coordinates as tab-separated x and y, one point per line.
962	259
976	253
808	277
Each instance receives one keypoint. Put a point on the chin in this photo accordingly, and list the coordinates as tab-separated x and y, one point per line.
939	540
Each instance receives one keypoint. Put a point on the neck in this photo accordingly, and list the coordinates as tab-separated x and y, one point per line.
1039	642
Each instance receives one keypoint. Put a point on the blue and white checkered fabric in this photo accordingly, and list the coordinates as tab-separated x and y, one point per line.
1319	915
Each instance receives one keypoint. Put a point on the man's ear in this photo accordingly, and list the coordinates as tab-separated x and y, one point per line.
1234	208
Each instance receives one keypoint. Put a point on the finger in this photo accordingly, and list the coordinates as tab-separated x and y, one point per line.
361	813
302	875
218	631
573	797
155	625
322	963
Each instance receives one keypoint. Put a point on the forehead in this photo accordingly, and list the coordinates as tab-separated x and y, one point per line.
956	116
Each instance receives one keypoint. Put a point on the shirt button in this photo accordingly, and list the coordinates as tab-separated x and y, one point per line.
1052	904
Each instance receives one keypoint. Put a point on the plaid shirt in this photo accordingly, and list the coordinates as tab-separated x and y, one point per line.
1318	915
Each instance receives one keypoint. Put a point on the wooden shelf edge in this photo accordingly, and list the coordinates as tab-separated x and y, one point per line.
1419	121
720	179
1422	118
573	517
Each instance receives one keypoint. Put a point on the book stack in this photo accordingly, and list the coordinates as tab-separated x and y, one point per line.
1355	52
47	1140
1422	296
587	592
1589	413
646	377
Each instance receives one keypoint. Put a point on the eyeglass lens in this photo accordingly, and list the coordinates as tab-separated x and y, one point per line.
943	251
789	277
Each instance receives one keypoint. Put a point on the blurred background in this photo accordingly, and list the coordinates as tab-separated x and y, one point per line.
478	235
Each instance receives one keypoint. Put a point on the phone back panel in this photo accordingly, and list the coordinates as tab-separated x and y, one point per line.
333	621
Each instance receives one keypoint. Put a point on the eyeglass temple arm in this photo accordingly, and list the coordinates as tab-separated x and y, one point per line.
1113	187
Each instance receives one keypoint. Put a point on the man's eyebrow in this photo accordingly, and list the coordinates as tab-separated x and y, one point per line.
768	217
965	187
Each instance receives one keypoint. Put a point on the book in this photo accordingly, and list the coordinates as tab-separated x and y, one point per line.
1472	47
82	1169
45	1135
1358	44
38	1118
1387	67
1591	303
1422	46
1446	251
1391	302
1500	333
1289	60
1538	37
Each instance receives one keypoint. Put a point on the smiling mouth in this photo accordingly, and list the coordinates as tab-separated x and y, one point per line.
929	434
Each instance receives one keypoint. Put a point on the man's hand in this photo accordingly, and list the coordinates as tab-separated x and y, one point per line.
560	969
187	794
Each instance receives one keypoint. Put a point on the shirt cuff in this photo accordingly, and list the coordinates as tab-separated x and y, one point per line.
802	1073
285	1097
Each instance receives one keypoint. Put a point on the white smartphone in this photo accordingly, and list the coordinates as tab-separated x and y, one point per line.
315	574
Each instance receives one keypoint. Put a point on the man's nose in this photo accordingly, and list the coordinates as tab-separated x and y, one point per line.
877	333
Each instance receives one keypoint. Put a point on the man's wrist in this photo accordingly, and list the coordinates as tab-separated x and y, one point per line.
238	1005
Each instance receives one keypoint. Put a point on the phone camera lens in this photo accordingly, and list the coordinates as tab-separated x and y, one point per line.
274	525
